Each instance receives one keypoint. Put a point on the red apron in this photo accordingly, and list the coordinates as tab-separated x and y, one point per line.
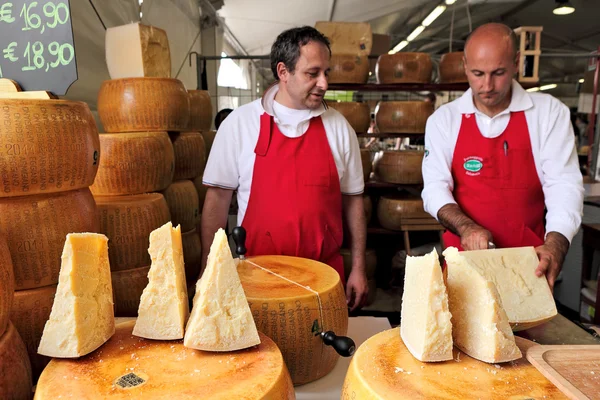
295	204
496	184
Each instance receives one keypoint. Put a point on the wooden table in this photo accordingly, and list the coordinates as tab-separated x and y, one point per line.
559	330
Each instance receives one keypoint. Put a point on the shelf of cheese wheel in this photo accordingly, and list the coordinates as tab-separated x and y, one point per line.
128	286
134	163
182	199
371	267
393	211
399	167
190	154
201	112
15	369
7	287
367	163
452	69
192	254
357	114
402	116
348	68
404	68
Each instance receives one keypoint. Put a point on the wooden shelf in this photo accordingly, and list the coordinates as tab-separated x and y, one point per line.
376	230
388	135
391	87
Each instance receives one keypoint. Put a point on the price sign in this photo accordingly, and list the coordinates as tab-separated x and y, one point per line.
36	44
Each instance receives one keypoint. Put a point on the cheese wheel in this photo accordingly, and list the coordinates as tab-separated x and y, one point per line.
357	114
182	199
347	37
35	228
401	167
192	254
190	155
201	189
402	116
348	68
31	310
368	204
286	308
128	221
370	260
209	138
128	286
392	210
46	146
452	69
7	284
404	68
367	164
134	163
143	104
15	370
201	111
129	367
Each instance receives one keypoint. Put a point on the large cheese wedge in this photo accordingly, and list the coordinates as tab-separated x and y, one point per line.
128	286
143	105
357	114
402	167
201	111
190	155
425	324
137	50
480	326
221	319
293	300
395	210
192	254
452	69
134	163
46	146
35	228
182	198
7	285
526	299
347	37
82	317
404	68
129	367
402	116
15	369
164	306
348	68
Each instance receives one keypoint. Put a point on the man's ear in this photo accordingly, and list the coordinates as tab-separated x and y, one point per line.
282	72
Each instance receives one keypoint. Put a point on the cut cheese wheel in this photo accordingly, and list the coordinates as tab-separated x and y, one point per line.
292	299
480	327
221	319
201	189
404	68
452	69
402	116
357	114
143	104
129	367
348	68
370	263
46	146
182	198
128	221
367	163
402	167
82	317
426	329
526	298
35	228
347	37
31	310
209	138
15	369
134	163
200	110
368	204
164	308
128	286
192	254
137	50
393	211
190	155
7	284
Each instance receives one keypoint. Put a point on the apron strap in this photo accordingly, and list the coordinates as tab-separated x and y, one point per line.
264	137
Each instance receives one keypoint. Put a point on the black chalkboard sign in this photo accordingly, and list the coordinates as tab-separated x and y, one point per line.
36	44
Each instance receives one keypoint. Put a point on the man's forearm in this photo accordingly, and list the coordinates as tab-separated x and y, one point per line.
558	241
214	216
454	219
354	216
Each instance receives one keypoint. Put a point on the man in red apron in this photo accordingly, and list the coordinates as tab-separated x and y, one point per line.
501	167
295	165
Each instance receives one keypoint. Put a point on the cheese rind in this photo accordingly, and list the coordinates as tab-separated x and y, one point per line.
480	326
182	198
190	154
425	325
128	286
7	284
82	317
163	309
221	319
15	369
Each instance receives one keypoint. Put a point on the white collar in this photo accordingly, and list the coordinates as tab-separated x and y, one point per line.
520	101
269	98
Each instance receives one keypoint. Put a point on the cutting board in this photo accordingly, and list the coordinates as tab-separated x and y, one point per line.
574	369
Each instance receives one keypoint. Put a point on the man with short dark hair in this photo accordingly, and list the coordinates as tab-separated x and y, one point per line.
296	167
501	166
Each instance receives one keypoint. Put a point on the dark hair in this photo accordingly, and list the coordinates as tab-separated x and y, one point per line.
221	115
286	48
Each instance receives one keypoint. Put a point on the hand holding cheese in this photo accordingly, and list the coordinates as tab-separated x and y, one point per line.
82	317
163	309
221	319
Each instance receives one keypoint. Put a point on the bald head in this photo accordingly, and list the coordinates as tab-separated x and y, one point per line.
498	36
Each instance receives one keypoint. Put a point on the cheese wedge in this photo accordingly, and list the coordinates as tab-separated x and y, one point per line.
221	319
164	308
82	317
480	326
425	325
526	298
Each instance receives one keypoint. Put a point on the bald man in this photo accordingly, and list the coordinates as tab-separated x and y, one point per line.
500	165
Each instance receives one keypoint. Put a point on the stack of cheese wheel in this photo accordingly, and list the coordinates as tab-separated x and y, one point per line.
402	116
393	209
371	267
400	167
357	114
404	68
452	69
292	300
50	154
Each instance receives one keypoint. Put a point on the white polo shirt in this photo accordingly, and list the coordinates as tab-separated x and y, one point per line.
552	144
231	161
